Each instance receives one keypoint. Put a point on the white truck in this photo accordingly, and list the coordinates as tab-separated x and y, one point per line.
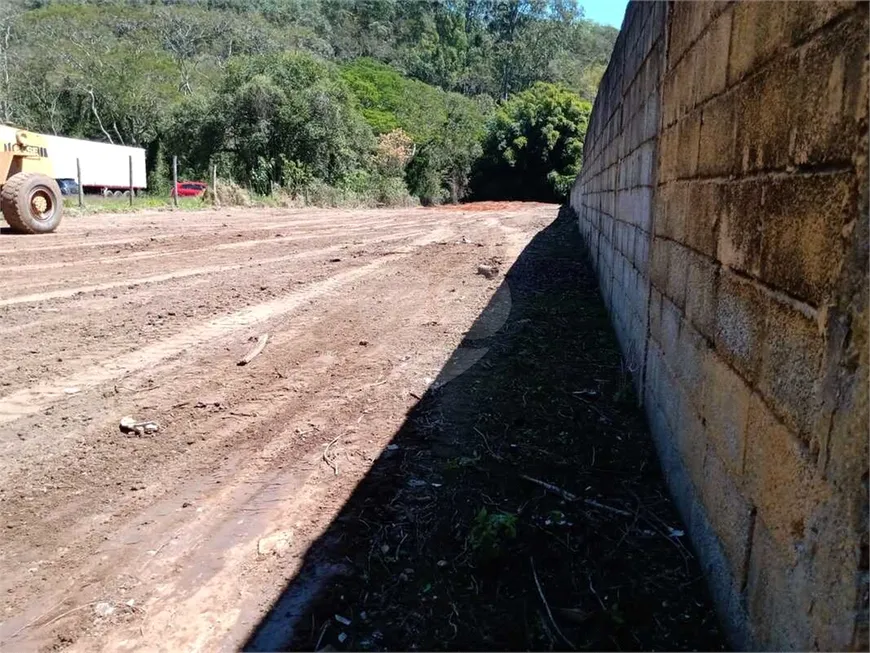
105	167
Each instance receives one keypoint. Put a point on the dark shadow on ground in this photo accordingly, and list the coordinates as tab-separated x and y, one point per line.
447	543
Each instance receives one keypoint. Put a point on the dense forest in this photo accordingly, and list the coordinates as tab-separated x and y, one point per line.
390	100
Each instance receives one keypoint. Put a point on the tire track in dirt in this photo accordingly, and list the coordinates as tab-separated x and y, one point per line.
244	244
140	234
179	274
37	398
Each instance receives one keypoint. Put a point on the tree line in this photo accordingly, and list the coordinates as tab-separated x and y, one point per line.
433	99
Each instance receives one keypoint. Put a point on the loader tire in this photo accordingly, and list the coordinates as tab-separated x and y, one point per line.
31	203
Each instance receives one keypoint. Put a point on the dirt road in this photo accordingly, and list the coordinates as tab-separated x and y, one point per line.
180	540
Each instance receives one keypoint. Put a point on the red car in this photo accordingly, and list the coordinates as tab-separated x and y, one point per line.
190	188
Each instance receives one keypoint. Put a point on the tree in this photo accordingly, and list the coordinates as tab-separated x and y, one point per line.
276	116
534	146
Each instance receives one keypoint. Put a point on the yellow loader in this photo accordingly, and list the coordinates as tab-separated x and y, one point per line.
30	198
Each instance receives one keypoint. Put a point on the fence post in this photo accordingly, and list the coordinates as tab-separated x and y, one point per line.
214	185
79	180
131	180
175	181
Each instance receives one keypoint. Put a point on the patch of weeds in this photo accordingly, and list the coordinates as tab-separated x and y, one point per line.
489	531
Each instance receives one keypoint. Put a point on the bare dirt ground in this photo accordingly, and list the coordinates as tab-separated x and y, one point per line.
196	537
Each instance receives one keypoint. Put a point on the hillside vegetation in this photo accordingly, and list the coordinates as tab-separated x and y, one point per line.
331	100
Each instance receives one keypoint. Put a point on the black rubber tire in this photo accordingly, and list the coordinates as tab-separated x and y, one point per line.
15	203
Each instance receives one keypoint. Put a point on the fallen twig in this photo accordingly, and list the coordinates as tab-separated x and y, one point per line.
486	444
571	497
322	633
251	355
547	606
618	511
328	460
552	488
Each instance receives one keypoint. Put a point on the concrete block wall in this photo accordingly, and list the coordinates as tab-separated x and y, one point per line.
615	190
724	203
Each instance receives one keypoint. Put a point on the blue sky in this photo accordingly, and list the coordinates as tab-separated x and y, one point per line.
607	12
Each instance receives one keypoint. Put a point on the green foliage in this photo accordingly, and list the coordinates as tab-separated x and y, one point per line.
490	530
292	94
534	146
275	120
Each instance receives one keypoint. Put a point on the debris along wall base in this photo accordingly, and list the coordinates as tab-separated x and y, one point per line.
723	202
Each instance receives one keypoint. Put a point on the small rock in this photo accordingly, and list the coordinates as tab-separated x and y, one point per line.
130	425
363	343
335	260
344	621
342	637
104	609
385	548
392	447
442	563
186	504
488	271
72	391
275	544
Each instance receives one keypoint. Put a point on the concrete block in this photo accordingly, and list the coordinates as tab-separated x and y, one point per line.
790	367
668	153
685	76
646	163
778	596
655	315
730	514
758	32
651	116
651	374
711	58
764	113
659	259
782	480
669	399
671	207
806	17
628	242
688	140
641	251
688	19
726	409
741	313
724	588
739	245
644	207
690	365
670	325
691	440
802	228
717	137
704	207
670	107
701	289
678	265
